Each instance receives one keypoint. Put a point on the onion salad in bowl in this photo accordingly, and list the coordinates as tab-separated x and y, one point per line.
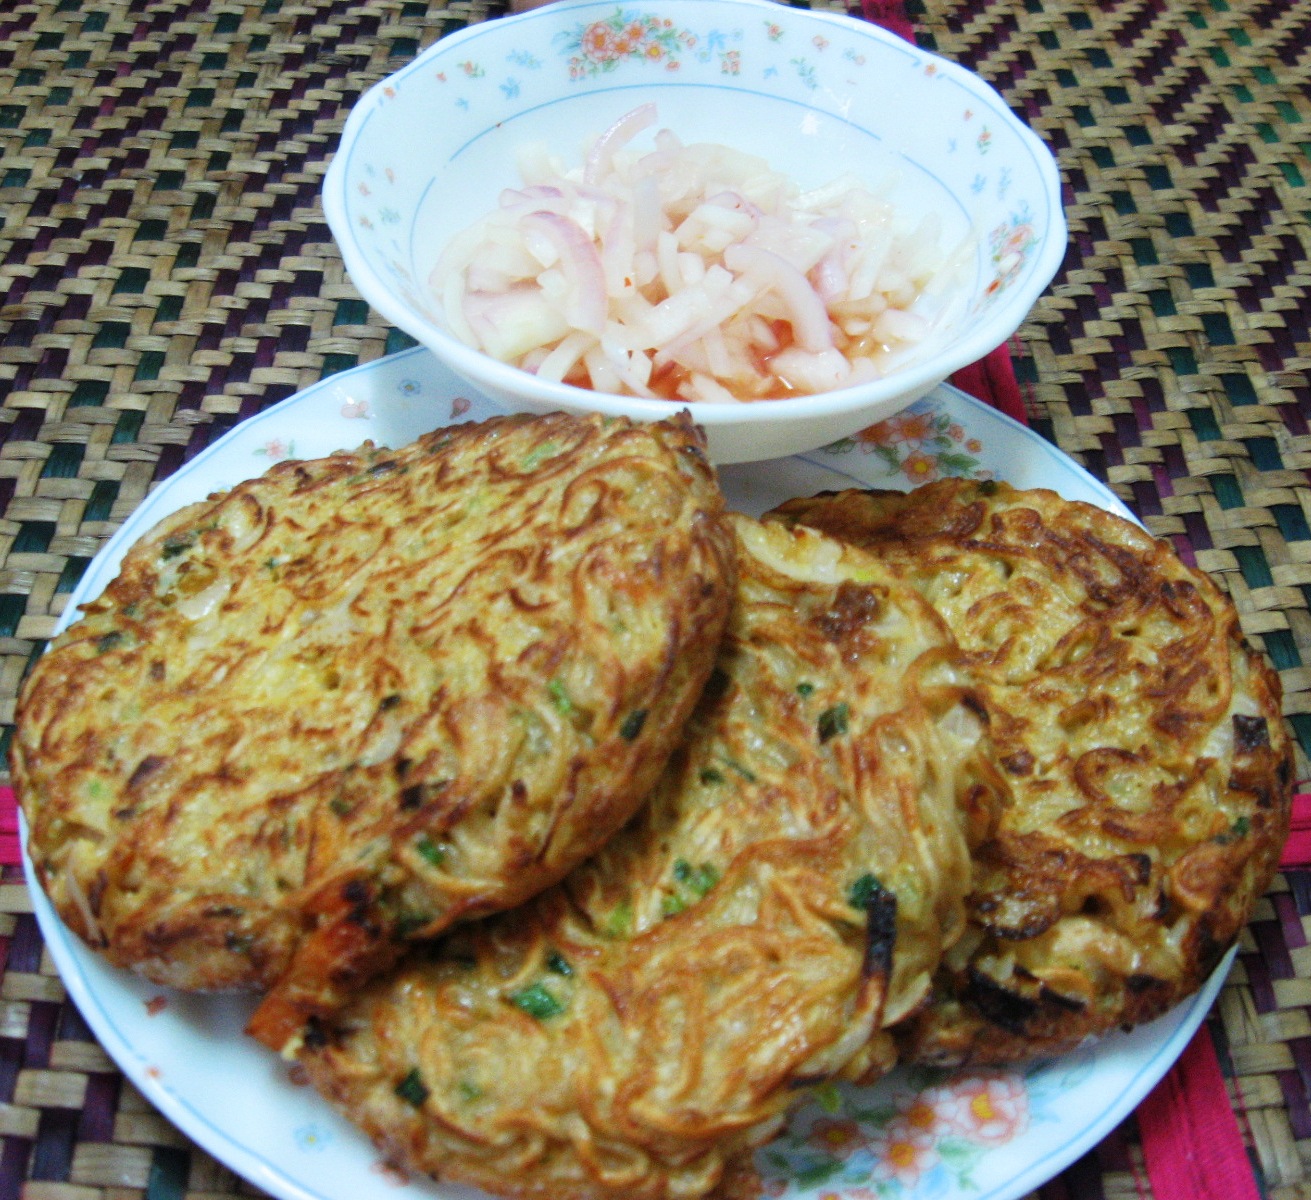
694	272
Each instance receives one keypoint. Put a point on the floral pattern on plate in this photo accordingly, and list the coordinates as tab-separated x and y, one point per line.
918	445
923	1133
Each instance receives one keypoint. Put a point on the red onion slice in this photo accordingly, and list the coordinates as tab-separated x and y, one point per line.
619	134
582	267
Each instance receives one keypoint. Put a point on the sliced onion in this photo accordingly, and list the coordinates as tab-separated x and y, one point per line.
695	270
532	194
566	355
806	372
578	258
810	324
619	134
511	323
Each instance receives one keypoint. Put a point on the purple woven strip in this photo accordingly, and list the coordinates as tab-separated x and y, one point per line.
1295	1104
1263	994
1269	937
1146	500
11	1062
1290	923
56	1139
1299	888
1199	533
25	946
99	1108
41	1022
1301	1048
13	1167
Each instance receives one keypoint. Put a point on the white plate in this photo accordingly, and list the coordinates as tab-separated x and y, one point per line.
916	1135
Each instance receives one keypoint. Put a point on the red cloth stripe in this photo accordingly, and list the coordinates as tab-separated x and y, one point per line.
992	379
10	853
1297	851
1191	1141
891	14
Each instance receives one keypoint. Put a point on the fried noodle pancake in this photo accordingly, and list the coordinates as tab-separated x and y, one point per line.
801	865
1148	767
358	698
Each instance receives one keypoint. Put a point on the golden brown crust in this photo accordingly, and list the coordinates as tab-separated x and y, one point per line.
360	697
1148	767
633	1032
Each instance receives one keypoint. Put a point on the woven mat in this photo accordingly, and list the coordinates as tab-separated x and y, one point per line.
165	272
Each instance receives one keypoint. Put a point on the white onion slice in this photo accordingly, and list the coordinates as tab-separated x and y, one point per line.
810	323
578	258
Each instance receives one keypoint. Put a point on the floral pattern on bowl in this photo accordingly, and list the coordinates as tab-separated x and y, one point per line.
625	36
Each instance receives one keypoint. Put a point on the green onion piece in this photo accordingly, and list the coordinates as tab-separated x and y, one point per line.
411	1089
560	697
833	721
620	921
733	764
557	963
432	852
863	891
539	454
537	1002
698	880
632	725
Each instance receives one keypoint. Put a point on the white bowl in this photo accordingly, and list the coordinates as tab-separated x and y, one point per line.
428	150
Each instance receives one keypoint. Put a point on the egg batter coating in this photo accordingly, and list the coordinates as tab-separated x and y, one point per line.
1148	767
359	698
635	1031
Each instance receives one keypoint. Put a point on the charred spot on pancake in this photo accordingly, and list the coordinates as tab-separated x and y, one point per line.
147	767
1250	733
717	685
1019	763
854	607
998	1004
1139	984
880	930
